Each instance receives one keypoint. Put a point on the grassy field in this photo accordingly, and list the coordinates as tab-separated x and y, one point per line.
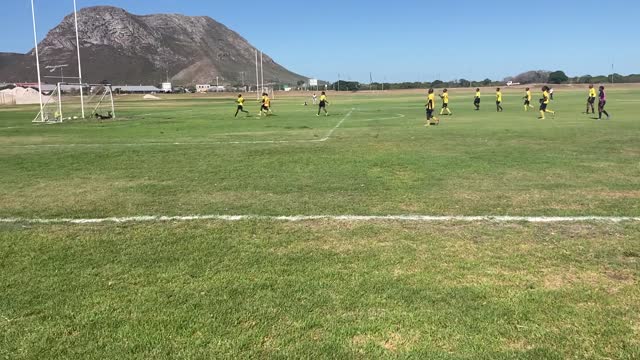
322	288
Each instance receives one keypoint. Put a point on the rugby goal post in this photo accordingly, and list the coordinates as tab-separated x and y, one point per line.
65	103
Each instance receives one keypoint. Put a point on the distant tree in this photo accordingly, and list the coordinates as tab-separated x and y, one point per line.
617	78
464	83
532	77
486	82
301	82
437	84
586	79
558	77
346	85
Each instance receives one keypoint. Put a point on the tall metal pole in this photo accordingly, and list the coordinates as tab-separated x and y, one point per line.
612	73
35	40
75	15
257	78
60	101
261	72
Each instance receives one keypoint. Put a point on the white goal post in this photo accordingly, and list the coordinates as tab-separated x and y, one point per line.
35	40
64	104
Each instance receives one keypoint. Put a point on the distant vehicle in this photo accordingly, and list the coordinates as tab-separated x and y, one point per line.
511	83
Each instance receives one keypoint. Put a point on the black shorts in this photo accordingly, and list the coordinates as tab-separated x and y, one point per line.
476	101
264	107
527	102
323	104
429	113
543	106
601	104
240	107
445	105
591	100
498	102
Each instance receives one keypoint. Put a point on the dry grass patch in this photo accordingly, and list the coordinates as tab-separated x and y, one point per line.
392	342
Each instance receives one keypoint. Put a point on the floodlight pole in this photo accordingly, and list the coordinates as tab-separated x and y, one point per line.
75	15
35	40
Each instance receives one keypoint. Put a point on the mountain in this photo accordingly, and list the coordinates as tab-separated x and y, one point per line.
131	49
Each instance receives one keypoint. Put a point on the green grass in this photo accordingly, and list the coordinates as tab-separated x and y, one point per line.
475	163
259	288
320	289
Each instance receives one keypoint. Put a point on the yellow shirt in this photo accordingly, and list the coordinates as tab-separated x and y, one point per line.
529	95
545	95
592	93
240	101
323	98
445	98
431	101
266	101
499	96
477	94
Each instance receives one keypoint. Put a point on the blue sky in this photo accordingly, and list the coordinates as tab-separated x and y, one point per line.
401	40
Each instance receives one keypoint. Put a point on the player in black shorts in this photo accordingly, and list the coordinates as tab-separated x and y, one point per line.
476	99
591	99
323	104
240	107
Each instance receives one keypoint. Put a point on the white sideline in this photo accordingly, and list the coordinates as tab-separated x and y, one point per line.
298	218
323	139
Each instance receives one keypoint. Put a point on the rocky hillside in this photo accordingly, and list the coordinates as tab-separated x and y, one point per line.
124	48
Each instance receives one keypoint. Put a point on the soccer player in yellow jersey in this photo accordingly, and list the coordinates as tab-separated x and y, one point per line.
499	100
445	102
430	106
544	102
527	100
591	99
476	99
265	105
323	104
240	102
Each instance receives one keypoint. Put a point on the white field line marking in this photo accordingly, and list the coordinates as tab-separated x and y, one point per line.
323	139
336	127
353	218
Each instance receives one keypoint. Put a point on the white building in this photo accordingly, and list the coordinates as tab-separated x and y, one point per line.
166	87
203	88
